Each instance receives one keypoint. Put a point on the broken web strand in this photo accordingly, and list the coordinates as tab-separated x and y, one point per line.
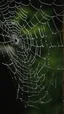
29	47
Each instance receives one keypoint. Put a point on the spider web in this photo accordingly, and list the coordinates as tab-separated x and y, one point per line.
32	41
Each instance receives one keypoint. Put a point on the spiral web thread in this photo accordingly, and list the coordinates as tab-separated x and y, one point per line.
31	36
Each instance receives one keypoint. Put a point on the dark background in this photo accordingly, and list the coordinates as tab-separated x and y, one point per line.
8	102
